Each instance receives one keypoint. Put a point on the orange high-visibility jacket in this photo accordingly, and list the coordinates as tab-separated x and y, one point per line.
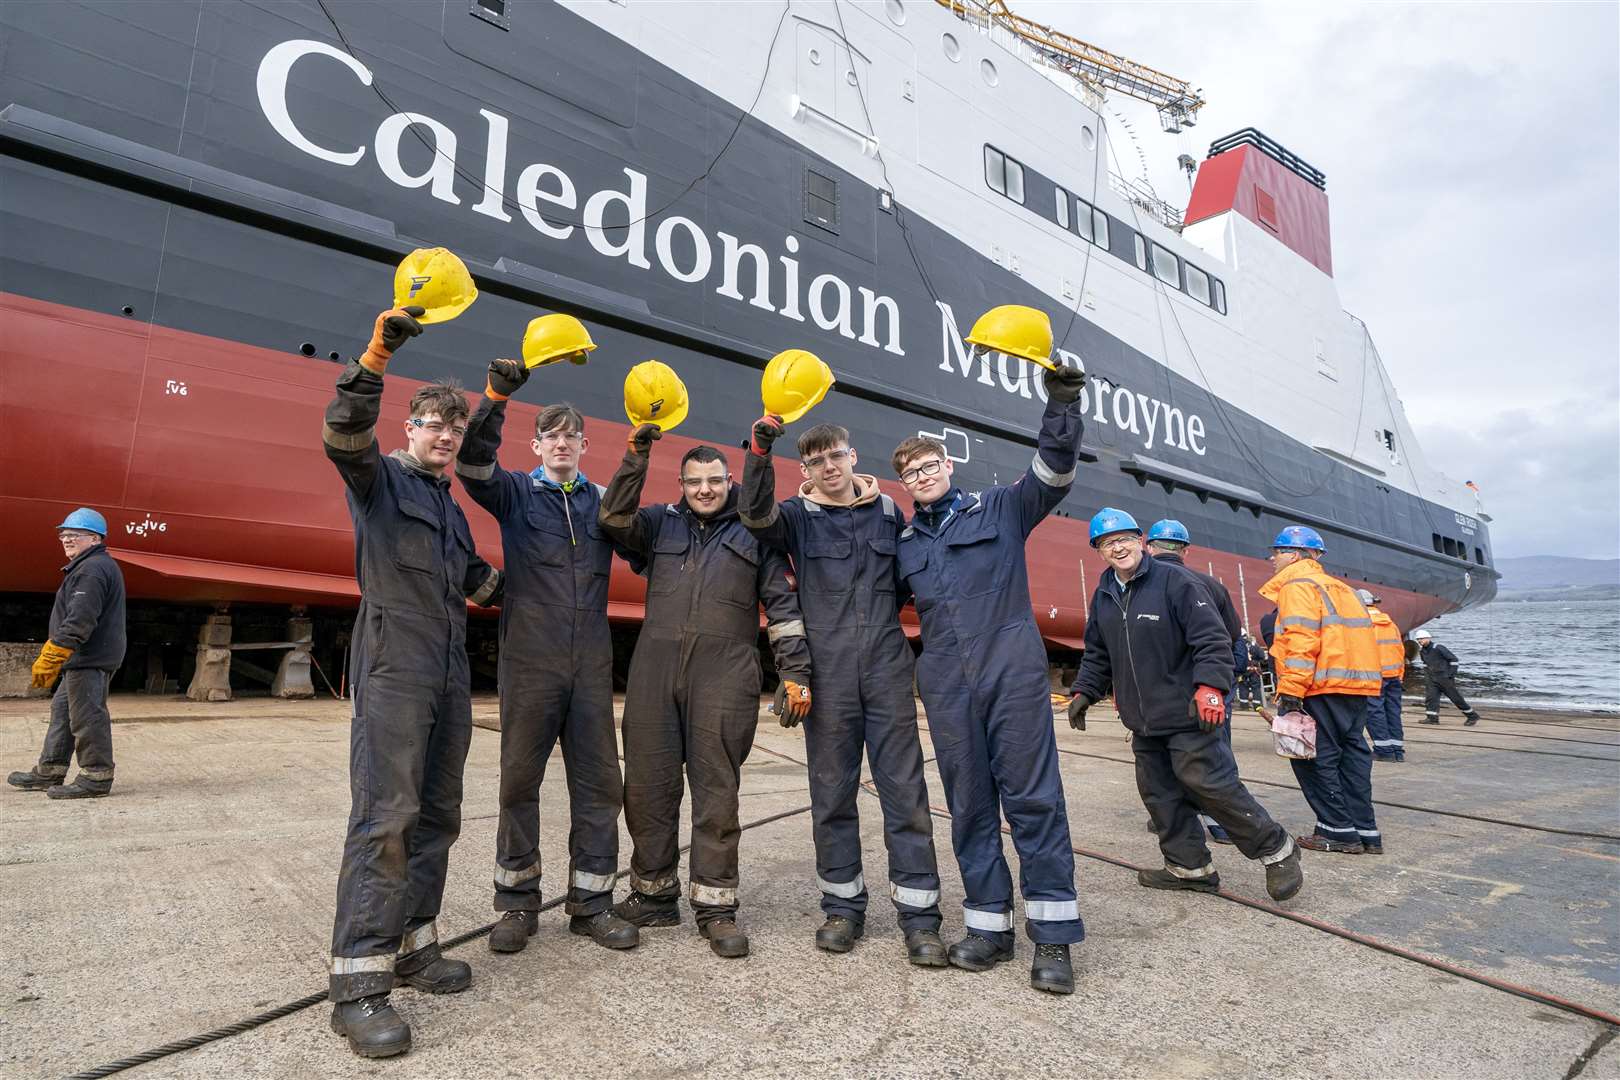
1391	652
1325	642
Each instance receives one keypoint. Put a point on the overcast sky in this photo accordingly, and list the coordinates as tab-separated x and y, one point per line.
1474	179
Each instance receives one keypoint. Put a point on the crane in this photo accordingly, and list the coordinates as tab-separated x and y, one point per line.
1178	103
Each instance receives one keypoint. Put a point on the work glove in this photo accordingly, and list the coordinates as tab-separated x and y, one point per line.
51	658
643	437
1077	711
392	329
1288	703
792	703
1210	706
1064	384
506	377
767	429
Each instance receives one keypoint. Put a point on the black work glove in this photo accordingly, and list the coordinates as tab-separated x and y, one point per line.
767	429
1077	711
1289	703
1064	384
506	377
398	329
643	437
792	703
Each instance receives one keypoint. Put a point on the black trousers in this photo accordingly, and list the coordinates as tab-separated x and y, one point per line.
1187	772
80	724
1432	690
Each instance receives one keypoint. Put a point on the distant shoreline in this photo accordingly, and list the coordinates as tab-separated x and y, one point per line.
1580	594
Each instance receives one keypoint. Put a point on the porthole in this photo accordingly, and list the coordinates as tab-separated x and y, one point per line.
988	71
952	47
1088	138
849	77
896	11
815	56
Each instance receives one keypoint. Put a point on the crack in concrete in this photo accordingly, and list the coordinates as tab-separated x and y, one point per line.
1604	1038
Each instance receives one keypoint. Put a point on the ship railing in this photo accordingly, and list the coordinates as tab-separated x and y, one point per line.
1144	198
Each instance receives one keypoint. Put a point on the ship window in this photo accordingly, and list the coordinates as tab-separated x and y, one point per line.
1389	440
491	11
1220	296
1265	207
821	200
1141	252
1004	175
1099	222
1165	266
1438	546
1063	208
1083	220
1479	556
1197	284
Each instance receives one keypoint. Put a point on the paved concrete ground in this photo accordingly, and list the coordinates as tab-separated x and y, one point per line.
201	893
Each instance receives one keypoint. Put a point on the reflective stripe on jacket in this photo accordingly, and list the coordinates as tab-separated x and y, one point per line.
1325	641
1391	652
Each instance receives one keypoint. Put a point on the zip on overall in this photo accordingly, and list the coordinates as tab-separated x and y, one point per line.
1125	613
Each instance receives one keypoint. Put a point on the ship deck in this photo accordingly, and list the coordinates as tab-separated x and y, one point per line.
201	893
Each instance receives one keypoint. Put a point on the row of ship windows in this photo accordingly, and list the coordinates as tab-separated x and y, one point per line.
1005	176
1457	549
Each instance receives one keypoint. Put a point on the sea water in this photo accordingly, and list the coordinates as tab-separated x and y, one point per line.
1551	654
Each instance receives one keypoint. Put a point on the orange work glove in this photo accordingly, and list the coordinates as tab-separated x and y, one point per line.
1210	705
505	378
792	703
392	329
767	429
51	658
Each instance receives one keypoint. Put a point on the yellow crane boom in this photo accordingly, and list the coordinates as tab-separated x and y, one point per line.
1178	103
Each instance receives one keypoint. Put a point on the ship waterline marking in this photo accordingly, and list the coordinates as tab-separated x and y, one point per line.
685	252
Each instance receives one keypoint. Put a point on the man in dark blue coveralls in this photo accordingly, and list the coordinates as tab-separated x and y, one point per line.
841	533
556	665
983	678
412	723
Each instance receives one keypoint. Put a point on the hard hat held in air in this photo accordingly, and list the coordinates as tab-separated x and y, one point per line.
1108	521
87	520
795	381
435	279
1017	331
1169	529
1299	538
551	338
654	394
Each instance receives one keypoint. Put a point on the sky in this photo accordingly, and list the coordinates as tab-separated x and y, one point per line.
1472	154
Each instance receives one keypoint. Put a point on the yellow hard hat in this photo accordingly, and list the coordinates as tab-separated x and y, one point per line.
1017	331
434	278
550	338
654	394
795	381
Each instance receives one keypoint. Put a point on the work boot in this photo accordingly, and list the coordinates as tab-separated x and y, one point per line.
1313	842
374	1029
80	789
1051	970
431	972
32	781
606	929
1372	847
925	949
514	930
1284	877
1166	879
1218	835
725	939
1470	719
839	934
644	910
1429	720
975	952
1400	755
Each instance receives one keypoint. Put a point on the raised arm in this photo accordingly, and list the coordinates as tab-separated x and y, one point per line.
757	507
351	417
620	514
491	486
1057	448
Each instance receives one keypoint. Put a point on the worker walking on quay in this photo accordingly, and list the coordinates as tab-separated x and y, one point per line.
693	694
841	534
412	718
1251	687
1327	666
1167	540
556	652
1440	677
1155	641
1384	710
85	647
983	680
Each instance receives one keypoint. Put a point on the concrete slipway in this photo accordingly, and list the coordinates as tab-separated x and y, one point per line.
201	894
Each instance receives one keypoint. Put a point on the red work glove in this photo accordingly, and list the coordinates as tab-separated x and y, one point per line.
392	329
767	429
1210	705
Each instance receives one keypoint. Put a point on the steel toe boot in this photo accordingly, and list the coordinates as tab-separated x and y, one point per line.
839	934
1051	970
429	970
33	781
975	952
1164	878
80	789
725	938
925	949
372	1026
514	930
1313	842
606	929
644	910
1284	877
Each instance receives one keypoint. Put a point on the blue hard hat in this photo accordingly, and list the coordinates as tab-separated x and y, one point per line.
1169	529
1302	537
1108	521
86	519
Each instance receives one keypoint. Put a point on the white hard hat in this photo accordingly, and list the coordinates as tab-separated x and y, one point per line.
1420	635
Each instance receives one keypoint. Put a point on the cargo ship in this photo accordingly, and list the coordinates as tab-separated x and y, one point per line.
202	205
